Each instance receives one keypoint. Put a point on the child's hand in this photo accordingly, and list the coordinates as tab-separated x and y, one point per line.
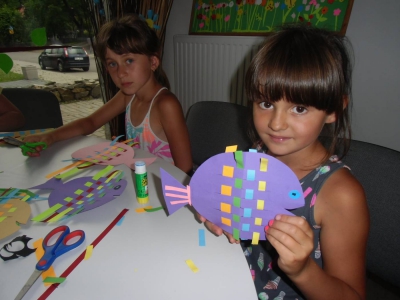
216	230
46	138
292	237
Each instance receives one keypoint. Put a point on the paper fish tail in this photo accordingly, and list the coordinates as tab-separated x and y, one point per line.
176	195
50	184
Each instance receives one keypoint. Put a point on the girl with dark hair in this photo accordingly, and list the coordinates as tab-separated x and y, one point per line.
130	50
298	83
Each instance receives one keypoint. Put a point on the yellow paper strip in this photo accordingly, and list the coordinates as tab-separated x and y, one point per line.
263	165
141	210
88	253
39	253
192	266
256	238
51	175
60	215
231	149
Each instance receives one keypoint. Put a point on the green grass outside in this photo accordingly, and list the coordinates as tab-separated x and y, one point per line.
11	76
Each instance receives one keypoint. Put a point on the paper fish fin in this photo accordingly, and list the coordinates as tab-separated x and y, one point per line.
50	184
175	194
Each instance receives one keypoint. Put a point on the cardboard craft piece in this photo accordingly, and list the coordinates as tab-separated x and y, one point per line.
238	191
13	213
13	249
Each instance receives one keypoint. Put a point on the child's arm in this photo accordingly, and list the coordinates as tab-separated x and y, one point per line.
11	118
82	126
175	129
342	212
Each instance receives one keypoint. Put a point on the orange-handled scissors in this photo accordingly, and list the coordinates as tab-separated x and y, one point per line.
51	252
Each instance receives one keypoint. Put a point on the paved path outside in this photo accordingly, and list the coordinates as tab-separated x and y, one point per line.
69	111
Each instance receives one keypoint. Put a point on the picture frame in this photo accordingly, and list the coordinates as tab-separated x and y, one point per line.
260	17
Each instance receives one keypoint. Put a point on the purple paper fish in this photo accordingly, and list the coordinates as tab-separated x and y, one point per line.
80	194
238	191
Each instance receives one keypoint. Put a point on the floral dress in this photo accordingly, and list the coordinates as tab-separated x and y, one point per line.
270	282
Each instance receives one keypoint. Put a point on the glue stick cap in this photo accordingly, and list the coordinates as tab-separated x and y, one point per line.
140	167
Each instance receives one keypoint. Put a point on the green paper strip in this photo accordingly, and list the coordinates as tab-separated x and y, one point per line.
102	172
153	209
47	213
13	209
2	219
239	159
54	279
60	215
76	212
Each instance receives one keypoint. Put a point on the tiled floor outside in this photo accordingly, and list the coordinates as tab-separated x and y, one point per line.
79	109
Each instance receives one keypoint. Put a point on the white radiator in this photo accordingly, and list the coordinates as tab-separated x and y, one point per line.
212	68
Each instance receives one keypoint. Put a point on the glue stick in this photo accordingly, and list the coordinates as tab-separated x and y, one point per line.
142	193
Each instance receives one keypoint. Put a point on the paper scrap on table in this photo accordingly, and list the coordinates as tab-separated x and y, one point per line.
54	280
88	253
237	191
202	237
153	209
192	266
143	209
106	154
9	251
120	221
39	254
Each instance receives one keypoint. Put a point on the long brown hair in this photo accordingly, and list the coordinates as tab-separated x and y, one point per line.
130	34
306	66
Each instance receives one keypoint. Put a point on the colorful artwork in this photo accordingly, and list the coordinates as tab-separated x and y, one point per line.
263	16
106	154
238	191
13	213
80	194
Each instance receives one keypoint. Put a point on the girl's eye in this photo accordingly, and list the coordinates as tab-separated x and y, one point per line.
300	110
129	61
265	105
112	64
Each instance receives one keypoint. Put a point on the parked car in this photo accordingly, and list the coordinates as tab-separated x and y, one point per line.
64	58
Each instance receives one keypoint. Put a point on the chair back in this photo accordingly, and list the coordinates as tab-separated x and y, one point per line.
40	108
213	125
377	168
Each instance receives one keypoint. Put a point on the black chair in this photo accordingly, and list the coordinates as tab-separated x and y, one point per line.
40	108
213	125
377	169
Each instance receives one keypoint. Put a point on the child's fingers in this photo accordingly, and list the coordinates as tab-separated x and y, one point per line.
213	228
288	223
231	239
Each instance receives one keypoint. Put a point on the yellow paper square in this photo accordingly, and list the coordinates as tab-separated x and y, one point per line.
192	266
226	221
256	238
264	164
262	186
225	207
226	190
228	171
231	148
260	204
258	221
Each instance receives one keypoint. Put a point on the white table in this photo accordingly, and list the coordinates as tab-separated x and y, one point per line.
143	258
